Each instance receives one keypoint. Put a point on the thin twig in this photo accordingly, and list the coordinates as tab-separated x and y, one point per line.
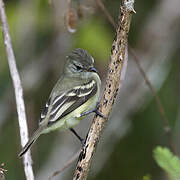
158	102
106	13
18	92
111	89
68	163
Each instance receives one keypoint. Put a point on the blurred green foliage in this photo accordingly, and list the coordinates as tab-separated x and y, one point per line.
168	162
147	177
95	38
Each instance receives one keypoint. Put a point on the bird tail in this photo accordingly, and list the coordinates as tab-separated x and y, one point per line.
31	141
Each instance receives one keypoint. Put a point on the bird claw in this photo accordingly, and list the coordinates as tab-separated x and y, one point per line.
98	112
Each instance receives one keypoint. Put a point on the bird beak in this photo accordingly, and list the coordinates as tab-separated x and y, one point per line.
92	69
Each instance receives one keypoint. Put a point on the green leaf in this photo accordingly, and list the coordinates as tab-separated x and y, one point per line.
168	162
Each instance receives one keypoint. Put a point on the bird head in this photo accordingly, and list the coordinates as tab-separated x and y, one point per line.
79	62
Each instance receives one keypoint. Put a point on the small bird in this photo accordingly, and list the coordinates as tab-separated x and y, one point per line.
76	94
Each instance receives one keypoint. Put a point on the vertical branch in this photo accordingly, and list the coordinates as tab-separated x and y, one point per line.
111	89
18	91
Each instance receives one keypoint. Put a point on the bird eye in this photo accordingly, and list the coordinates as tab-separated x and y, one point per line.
79	68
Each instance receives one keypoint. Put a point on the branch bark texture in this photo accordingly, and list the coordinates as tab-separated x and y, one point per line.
18	92
117	58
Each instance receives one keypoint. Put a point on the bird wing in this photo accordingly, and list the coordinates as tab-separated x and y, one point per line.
67	102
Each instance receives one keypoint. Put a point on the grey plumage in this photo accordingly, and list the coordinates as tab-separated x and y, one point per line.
75	92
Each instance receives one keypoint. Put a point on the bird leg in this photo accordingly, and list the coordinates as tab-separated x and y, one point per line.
76	134
95	110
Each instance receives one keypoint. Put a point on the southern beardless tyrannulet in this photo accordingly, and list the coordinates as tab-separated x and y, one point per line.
75	95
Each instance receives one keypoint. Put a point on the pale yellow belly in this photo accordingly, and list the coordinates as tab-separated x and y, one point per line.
73	118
